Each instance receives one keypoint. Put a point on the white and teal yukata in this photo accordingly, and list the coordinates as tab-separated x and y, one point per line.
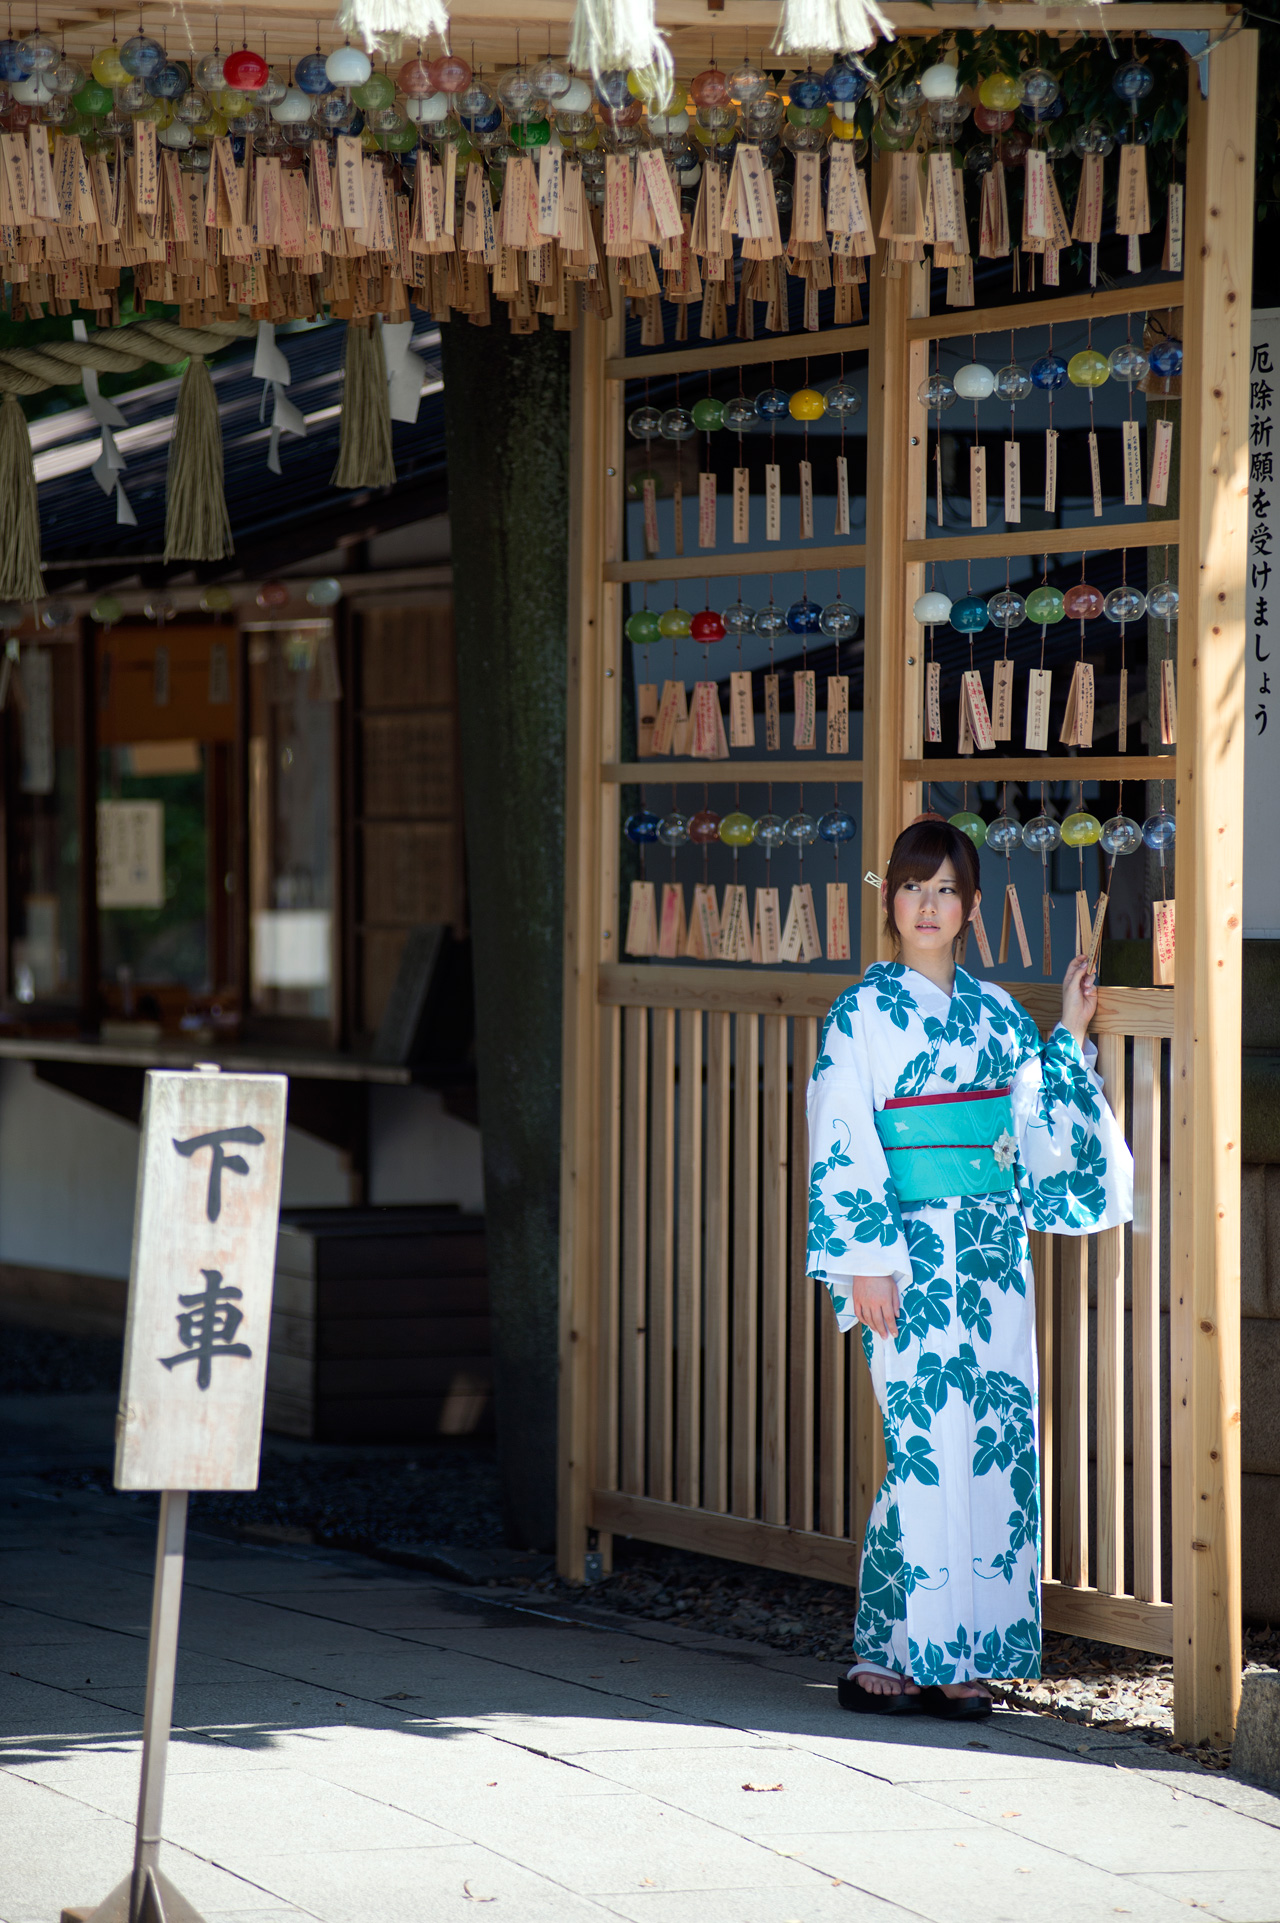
909	1178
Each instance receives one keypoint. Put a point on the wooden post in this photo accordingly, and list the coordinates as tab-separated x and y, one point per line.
1206	1027
895	511
586	918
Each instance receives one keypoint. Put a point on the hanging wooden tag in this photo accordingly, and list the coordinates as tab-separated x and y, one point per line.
1002	700
838	921
980	936
672	930
1162	943
707	724
772	501
811	941
672	709
976	703
1012	482
1035	209
806	500
937	485
703	941
993	217
767	939
1006	923
44	191
1173	230
964	744
1077	720
1122	725
146	160
978	486
1095	934
1132	464
741	505
1046	945
933	701
1168	703
1095	475
649	494
646	717
1161	461
1015	908
1084	922
772	714
1039	690
735	925
642	921
837	714
792	936
842	495
1050	470
351	200
804	734
742	713
706	510
1133	213
1087	223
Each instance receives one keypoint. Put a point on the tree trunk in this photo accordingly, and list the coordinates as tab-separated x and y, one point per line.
507	440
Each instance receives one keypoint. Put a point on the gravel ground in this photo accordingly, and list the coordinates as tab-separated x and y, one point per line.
375	1500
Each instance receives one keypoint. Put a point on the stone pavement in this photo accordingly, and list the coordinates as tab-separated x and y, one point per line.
363	1745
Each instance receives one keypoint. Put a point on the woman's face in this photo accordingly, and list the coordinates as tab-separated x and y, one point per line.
929	914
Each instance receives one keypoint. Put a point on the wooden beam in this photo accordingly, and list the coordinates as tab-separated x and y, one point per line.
662	768
1205	1067
772	991
694	567
963	322
800	1552
1108	1619
774	347
1036	768
1098	538
579	1125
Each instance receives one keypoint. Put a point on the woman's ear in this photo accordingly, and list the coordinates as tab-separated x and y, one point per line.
977	903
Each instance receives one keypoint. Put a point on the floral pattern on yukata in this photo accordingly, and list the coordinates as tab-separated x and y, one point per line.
949	1586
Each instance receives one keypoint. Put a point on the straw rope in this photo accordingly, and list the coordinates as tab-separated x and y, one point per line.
113	350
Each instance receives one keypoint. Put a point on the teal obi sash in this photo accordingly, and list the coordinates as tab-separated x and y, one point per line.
946	1145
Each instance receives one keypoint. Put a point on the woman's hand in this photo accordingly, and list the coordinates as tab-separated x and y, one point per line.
1079	999
875	1302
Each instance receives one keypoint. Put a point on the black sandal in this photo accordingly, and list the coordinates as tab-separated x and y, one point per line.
852	1694
954	1709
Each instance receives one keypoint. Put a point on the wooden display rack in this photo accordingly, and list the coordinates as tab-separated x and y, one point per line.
685	1190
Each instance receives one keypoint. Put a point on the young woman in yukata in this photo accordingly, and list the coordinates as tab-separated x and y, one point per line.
940	1126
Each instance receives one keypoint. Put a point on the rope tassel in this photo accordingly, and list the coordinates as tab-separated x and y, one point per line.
608	35
372	21
19	511
197	526
841	26
364	452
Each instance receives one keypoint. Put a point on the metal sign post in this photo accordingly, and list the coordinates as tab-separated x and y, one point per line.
195	1365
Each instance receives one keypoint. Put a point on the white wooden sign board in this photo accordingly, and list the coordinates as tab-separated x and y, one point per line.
200	1281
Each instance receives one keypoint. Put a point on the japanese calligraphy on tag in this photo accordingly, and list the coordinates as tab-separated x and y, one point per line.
1262	632
199	1316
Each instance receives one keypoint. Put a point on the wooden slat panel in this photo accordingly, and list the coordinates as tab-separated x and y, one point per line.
689	1262
1042	1263
610	1245
715	1451
1109	1443
660	1319
635	1162
1146	1320
746	1261
1073	1429
770	991
832	1422
773	1273
800	1412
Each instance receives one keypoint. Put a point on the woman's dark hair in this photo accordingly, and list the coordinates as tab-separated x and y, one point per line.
919	852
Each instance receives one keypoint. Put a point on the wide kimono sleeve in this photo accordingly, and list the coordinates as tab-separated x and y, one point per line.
1076	1172
854	1224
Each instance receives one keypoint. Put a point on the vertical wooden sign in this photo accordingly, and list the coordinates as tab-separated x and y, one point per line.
978	486
837	714
1132	464
933	701
1095	475
1050	470
804	688
1161	459
1162	944
772	501
1012	483
1002	701
806	500
199	1316
706	510
741	505
838	921
1039	688
842	495
742	714
772	714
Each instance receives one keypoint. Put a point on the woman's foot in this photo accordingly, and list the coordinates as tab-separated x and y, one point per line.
962	1691
877	1691
888	1685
